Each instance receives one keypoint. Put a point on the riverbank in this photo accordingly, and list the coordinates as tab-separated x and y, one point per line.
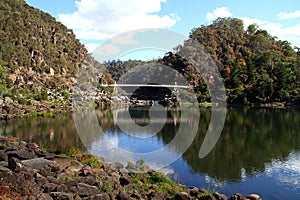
28	172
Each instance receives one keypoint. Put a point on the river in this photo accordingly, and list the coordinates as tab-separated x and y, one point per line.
258	150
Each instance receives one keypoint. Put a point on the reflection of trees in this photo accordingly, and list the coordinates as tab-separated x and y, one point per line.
250	138
55	134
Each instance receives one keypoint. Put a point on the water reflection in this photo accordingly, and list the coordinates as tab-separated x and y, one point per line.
250	139
53	133
258	150
130	141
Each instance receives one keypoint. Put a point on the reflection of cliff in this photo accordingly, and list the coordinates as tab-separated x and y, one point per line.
250	138
56	134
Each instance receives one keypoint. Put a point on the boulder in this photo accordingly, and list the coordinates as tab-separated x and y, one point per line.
3	155
182	196
51	71
194	191
38	163
237	196
62	195
86	190
103	196
8	100
124	180
122	196
253	197
14	164
220	196
22	154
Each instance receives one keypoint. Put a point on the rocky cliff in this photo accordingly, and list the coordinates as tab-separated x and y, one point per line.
39	61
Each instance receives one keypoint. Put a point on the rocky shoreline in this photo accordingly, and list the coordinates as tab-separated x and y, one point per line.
28	172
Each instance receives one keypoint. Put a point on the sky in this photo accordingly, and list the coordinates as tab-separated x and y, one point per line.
95	21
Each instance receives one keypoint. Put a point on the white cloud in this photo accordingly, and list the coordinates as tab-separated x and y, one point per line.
218	12
107	50
289	33
248	21
91	46
101	19
290	15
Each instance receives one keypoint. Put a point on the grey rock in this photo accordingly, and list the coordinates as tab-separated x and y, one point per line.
3	155
103	196
208	197
50	187
122	196
237	196
86	190
45	196
194	191
38	163
117	166
124	180
182	196
32	146
220	196
49	170
4	164
14	164
62	196
21	154
90	180
8	100
253	197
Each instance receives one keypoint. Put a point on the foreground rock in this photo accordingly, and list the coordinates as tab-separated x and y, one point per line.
27	172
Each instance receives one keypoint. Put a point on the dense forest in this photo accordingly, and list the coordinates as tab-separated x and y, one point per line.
40	59
256	67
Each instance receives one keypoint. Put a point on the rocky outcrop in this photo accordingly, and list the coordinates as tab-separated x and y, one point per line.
27	172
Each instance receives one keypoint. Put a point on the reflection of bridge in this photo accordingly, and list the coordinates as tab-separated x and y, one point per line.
157	112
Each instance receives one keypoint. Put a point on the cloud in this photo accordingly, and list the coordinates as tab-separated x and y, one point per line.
248	21
107	50
290	15
101	19
218	12
289	33
91	46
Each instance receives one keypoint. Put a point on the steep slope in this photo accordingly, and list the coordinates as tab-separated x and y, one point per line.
39	60
255	66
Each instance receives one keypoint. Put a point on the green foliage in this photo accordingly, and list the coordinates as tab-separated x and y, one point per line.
91	160
42	95
162	182
3	74
255	66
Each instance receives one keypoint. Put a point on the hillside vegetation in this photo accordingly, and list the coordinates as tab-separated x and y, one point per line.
256	67
39	61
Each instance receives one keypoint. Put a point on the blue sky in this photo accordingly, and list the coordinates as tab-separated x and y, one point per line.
94	21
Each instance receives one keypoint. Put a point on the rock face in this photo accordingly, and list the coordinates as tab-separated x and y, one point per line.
39	63
26	172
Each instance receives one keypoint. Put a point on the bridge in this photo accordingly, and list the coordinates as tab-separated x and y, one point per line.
144	85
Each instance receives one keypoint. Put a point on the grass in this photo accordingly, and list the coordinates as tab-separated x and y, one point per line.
91	160
162	182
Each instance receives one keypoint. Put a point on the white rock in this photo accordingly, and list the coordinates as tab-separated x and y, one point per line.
8	100
51	71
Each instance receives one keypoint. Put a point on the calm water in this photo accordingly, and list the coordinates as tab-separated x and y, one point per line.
257	152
